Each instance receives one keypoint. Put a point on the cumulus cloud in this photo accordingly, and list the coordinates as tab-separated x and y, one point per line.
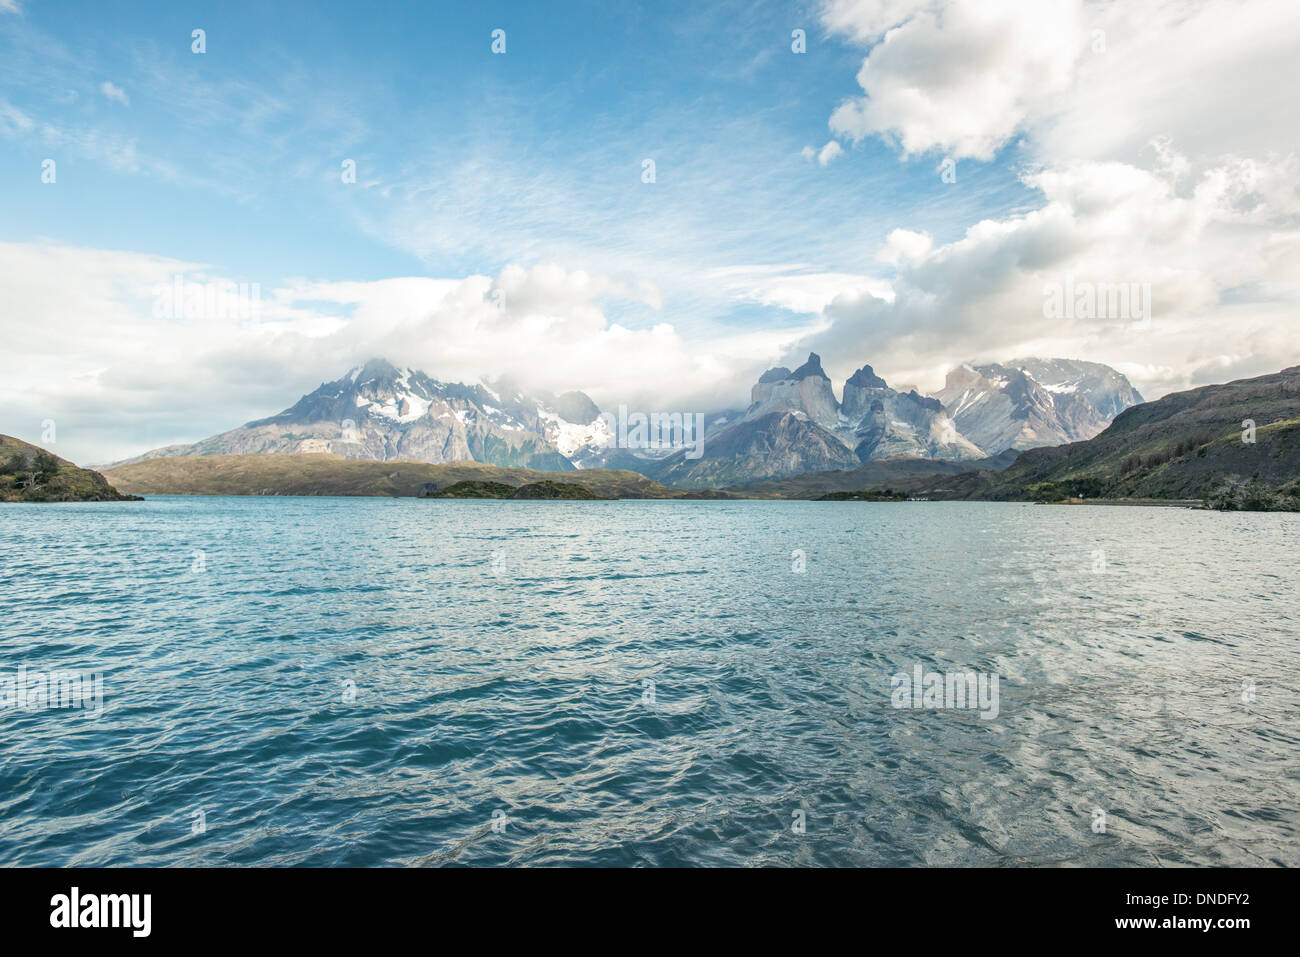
1220	256
1076	80
1158	136
1210	77
114	92
88	345
963	78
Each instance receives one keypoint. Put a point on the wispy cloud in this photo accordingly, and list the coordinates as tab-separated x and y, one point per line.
13	121
114	93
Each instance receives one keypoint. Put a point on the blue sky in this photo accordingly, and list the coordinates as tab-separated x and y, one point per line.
745	251
467	161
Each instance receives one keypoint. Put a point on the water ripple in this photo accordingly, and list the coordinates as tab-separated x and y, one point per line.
364	682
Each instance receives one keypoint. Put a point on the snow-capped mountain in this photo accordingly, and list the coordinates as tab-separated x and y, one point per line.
794	424
1027	403
380	411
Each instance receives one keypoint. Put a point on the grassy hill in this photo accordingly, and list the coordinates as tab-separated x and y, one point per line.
325	474
31	474
1188	445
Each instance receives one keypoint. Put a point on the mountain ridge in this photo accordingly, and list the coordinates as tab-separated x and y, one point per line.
380	411
1029	402
1232	445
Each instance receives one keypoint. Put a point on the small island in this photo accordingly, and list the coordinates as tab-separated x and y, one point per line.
865	495
546	490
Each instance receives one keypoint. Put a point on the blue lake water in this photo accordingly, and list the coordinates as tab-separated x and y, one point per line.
366	682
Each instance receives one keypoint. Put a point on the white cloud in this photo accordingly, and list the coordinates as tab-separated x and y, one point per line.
114	92
1161	136
1211	76
796	287
823	156
10	6
867	20
905	246
85	348
964	78
1221	255
1078	81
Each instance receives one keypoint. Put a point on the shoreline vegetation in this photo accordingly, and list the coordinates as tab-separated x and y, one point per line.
1150	502
32	474
321	474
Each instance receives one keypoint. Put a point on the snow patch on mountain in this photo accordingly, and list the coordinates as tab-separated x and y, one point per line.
1033	402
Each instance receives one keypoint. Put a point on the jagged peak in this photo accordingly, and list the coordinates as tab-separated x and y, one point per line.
968	374
924	401
377	368
813	367
866	378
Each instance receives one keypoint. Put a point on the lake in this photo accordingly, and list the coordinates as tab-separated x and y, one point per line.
329	681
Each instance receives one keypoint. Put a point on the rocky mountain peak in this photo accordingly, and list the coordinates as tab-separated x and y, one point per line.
576	407
1033	402
806	390
866	378
962	376
377	372
813	367
775	374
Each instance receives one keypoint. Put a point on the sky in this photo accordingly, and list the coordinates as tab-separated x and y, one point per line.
649	202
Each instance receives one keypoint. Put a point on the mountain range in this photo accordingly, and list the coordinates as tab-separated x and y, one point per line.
1230	446
1233	446
794	423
